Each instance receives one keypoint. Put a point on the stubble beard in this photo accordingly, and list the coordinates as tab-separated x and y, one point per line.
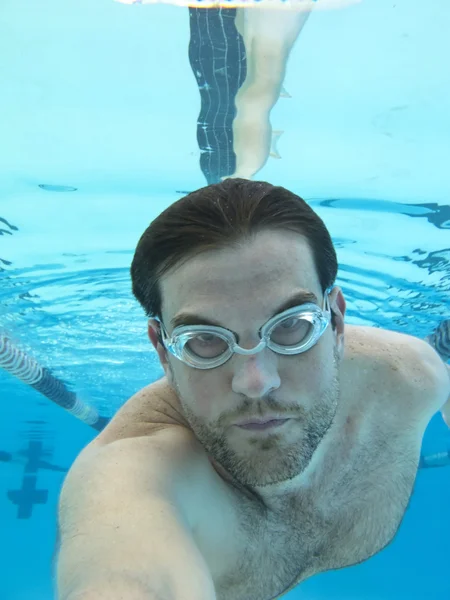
270	459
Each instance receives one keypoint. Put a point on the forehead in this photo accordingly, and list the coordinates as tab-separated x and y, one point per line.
249	279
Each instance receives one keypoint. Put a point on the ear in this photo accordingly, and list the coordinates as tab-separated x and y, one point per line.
154	334
338	308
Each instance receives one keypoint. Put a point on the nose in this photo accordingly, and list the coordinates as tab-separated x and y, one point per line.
255	376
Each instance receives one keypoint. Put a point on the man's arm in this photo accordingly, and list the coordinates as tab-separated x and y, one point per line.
439	340
446	408
126	523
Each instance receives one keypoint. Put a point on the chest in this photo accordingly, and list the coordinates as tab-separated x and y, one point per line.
350	509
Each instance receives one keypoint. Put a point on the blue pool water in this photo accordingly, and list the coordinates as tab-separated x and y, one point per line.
100	133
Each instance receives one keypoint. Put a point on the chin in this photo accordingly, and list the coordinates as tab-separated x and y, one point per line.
260	461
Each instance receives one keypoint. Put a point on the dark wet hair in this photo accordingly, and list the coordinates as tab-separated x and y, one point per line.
221	216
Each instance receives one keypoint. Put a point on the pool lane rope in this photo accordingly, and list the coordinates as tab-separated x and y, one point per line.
28	370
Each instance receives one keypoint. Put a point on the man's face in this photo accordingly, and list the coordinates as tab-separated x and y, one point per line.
241	288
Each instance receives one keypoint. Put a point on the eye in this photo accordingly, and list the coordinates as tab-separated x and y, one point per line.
290	323
206	338
207	345
291	332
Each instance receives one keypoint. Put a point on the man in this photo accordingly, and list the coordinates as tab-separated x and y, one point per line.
219	65
269	31
238	51
272	450
269	34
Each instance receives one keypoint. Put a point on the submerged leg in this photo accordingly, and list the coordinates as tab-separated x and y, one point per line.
269	36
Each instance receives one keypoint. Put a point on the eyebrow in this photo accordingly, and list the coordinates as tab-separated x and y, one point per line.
186	318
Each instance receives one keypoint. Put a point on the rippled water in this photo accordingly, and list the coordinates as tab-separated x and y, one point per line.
65	294
65	299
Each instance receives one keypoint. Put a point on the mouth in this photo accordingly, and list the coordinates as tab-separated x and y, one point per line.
261	425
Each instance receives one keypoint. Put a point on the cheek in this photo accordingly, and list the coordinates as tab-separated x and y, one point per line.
311	371
203	393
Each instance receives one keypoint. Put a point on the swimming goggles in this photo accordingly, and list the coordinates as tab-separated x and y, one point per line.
293	331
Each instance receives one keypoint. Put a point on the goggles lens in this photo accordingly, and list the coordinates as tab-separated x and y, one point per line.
294	331
206	345
290	332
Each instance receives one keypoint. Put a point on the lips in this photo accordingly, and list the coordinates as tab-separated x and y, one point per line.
256	421
261	425
259	422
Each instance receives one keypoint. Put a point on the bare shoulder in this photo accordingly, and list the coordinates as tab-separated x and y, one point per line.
116	491
148	443
397	368
129	471
152	409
